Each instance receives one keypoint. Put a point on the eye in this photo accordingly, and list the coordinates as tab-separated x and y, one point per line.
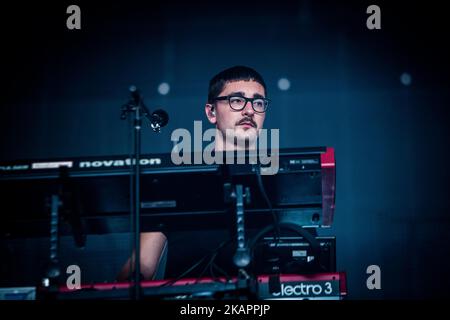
258	103
237	100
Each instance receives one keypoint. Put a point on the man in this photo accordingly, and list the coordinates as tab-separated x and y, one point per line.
236	106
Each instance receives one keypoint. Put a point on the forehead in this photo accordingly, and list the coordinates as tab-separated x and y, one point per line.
249	88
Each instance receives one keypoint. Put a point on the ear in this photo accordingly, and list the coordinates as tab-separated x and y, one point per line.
210	113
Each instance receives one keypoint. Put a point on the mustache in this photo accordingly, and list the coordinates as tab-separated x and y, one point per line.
249	120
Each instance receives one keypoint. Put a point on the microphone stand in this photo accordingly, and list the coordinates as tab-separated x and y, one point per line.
136	107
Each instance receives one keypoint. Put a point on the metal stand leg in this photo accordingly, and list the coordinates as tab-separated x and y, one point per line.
53	271
242	257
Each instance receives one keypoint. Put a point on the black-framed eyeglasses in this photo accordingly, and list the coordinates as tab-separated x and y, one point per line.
238	103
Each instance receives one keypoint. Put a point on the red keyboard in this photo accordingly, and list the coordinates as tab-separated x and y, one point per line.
314	286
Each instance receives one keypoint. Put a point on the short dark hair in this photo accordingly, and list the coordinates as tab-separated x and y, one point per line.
232	74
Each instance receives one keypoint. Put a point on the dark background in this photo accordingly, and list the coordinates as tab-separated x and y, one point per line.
62	91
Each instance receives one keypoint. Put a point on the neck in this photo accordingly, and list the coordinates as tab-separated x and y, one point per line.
223	144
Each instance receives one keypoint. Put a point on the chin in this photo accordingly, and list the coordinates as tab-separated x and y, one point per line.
247	136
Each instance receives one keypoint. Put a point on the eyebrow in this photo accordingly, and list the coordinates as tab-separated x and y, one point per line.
240	93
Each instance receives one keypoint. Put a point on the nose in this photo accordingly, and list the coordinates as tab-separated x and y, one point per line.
248	109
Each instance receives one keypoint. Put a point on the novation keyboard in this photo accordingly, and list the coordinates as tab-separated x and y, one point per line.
95	192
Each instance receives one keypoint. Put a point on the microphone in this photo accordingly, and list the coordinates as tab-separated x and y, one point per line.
158	119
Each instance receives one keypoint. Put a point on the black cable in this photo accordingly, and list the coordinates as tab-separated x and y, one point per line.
213	275
223	272
195	265
214	254
211	261
213	265
172	281
276	223
206	267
